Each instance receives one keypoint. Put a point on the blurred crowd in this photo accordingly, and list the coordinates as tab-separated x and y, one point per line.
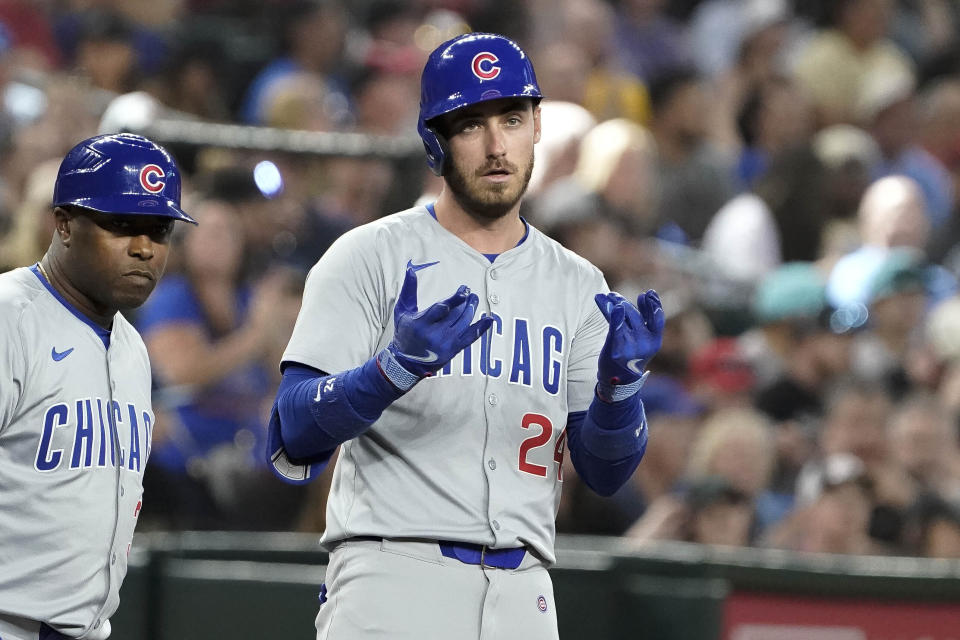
784	172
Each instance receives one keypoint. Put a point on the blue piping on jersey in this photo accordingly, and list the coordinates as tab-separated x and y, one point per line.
489	256
102	333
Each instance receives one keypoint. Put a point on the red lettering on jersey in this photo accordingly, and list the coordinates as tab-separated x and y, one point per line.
136	512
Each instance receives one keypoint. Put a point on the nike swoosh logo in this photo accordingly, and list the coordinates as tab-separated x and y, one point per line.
633	365
60	355
430	357
417	267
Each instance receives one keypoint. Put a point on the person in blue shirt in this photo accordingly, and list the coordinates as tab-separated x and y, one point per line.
211	336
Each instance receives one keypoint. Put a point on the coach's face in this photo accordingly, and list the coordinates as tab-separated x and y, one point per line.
114	261
491	150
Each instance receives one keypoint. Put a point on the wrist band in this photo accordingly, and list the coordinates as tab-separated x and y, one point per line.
617	392
394	371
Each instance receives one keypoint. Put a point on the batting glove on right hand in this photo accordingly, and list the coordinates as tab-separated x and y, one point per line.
424	341
634	337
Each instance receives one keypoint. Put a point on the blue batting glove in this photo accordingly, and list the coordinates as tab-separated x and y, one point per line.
634	337
424	341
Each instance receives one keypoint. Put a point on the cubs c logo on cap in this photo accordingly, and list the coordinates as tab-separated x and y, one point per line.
150	178
484	66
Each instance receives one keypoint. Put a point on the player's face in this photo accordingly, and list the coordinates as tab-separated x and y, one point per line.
115	261
491	150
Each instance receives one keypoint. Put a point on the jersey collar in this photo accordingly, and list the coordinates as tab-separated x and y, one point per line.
489	256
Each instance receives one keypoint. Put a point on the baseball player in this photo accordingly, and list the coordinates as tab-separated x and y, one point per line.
75	414
454	353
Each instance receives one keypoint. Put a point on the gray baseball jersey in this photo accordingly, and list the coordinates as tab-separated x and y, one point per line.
474	453
75	428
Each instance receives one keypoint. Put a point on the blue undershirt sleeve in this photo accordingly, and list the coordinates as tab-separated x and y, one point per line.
607	442
317	412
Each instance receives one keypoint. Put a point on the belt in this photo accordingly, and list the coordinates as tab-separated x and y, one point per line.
482	555
469	553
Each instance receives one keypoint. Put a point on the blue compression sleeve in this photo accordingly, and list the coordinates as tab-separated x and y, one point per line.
607	442
319	412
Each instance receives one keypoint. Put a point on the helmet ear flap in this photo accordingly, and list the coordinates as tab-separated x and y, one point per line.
437	149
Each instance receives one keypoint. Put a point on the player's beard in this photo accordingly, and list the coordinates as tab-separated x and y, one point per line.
484	200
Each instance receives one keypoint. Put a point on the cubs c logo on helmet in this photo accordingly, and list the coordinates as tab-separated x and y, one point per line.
484	66
150	178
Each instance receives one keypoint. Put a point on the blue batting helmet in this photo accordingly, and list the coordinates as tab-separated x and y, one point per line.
120	173
468	69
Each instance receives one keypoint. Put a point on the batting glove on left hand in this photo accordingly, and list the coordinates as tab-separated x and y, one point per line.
634	337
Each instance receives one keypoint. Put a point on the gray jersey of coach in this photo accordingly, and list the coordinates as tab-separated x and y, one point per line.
470	454
70	476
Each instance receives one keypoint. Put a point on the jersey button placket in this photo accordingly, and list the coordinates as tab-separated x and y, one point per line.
492	464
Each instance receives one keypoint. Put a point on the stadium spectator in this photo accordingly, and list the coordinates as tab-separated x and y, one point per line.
695	180
939	134
564	124
891	214
31	230
941	333
562	71
30	34
886	107
608	201
210	336
855	424
105	49
718	513
774	117
192	82
798	358
709	510
933	528
313	36
834	63
385	101
850	157
923	440
649	43
834	510
782	219
896	303
721	376
607	90
750	33
740	45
